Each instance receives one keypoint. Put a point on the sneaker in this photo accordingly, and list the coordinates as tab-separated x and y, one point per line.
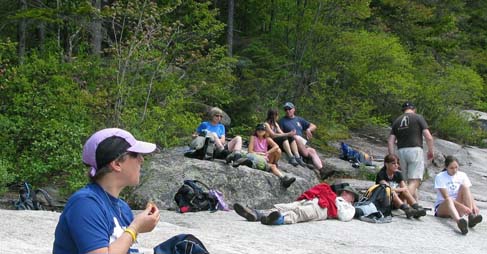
245	212
474	220
243	161
274	218
300	161
293	161
287	181
462	225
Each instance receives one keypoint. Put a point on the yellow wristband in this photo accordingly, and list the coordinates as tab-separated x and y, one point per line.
131	233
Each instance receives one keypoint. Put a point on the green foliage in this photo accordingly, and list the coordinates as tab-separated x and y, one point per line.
47	120
345	64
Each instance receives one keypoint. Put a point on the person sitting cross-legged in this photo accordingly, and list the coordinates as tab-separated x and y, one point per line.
317	203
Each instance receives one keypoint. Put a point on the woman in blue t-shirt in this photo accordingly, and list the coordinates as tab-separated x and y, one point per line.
95	219
216	130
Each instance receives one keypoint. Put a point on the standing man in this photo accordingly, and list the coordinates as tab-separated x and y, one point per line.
408	130
303	132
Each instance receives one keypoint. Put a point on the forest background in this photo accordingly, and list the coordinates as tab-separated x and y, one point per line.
71	67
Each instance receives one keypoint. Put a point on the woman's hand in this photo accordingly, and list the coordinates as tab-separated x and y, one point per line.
147	220
291	133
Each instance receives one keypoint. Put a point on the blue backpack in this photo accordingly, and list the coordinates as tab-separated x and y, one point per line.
181	244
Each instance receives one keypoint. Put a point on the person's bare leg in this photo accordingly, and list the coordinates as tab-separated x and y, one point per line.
396	200
413	185
274	156
235	144
315	158
294	148
409	199
465	197
287	148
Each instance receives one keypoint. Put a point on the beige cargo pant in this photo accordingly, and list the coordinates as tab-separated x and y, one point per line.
301	211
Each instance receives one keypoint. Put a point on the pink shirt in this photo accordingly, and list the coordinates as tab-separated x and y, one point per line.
260	145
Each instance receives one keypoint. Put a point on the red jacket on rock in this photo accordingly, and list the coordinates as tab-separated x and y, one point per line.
326	198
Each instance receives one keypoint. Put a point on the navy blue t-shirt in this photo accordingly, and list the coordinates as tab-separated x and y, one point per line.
296	123
91	219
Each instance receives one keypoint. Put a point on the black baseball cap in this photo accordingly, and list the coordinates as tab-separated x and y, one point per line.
407	105
260	127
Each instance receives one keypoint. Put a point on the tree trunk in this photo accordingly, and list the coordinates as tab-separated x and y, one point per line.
96	37
231	5
273	15
21	32
41	27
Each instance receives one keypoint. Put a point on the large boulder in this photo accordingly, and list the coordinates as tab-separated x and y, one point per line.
165	172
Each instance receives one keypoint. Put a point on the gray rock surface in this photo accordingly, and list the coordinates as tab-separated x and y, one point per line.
227	233
166	172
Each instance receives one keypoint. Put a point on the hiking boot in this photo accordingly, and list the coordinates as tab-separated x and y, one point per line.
274	218
410	212
325	173
245	212
243	161
287	181
300	161
229	158
293	161
474	220
462	225
419	212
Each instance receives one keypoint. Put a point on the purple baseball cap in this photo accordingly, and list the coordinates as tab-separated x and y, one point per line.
108	144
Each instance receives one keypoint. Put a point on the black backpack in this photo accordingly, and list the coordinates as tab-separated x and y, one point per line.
181	244
202	148
29	199
381	196
192	196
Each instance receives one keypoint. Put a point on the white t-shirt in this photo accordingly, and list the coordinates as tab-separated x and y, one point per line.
450	183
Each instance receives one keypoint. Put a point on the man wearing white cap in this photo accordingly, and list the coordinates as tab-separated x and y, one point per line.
95	219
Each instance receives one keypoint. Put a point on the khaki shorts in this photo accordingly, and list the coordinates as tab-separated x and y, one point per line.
412	162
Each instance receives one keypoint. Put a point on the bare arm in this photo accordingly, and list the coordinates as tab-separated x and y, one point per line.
310	130
143	222
278	133
391	141
429	141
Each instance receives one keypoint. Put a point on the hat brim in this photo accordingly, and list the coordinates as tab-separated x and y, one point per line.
142	147
349	189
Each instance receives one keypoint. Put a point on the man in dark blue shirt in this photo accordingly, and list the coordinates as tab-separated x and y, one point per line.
304	132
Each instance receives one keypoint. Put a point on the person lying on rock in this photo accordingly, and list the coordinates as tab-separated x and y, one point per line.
304	132
391	175
317	203
453	196
216	130
95	219
261	157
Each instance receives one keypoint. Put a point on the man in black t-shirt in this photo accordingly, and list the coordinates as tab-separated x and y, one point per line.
408	130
